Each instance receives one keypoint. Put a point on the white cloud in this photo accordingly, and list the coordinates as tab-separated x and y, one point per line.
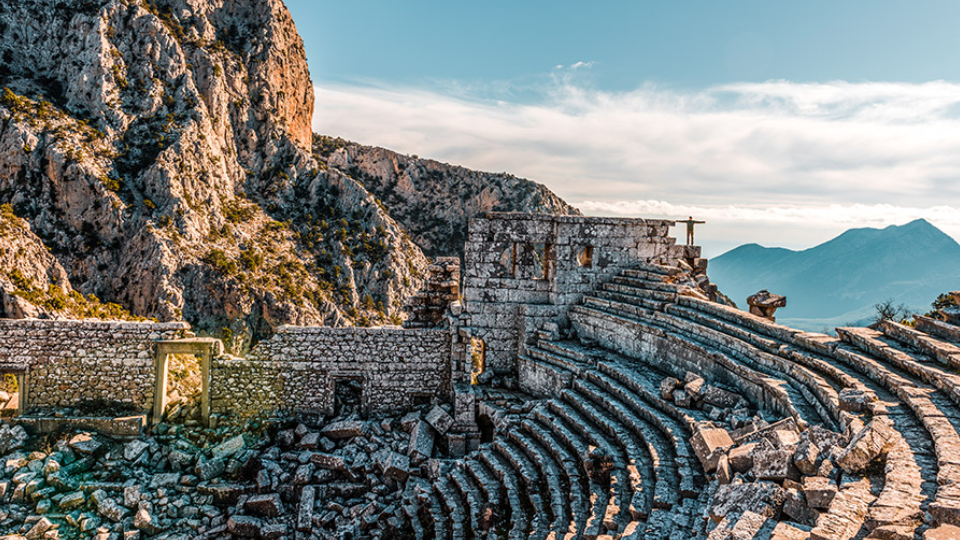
582	65
844	153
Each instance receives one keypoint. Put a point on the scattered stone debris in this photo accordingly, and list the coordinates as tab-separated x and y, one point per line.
251	479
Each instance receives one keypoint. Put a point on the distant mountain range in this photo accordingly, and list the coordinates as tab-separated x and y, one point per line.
838	282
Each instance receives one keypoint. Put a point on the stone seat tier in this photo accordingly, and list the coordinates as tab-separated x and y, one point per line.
622	295
673	463
945	331
411	511
511	491
566	466
572	351
943	351
572	438
813	397
607	516
661	484
440	520
645	284
470	496
544	353
774	345
934	403
905	493
766	391
627	455
455	513
664	440
490	489
650	268
763	354
552	487
632	290
541	513
644	274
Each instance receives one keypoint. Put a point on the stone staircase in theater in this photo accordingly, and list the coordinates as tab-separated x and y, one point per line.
603	455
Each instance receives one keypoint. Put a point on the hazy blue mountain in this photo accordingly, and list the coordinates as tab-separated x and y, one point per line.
839	281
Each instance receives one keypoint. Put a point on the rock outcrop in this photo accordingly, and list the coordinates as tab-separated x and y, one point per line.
162	152
434	200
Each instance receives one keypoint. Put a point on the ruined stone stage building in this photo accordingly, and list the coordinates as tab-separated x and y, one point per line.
590	386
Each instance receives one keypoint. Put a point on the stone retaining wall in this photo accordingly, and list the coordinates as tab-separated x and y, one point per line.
523	270
76	363
297	369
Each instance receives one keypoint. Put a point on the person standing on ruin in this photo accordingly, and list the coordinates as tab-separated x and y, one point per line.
690	223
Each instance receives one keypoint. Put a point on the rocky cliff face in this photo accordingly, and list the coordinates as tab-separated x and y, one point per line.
162	152
434	200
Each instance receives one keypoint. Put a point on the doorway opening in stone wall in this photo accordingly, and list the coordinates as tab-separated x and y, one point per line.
486	427
478	359
348	396
11	393
183	391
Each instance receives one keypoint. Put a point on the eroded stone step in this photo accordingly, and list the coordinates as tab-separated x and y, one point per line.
940	329
607	505
556	491
646	284
540	513
512	491
676	475
455	512
609	330
577	445
567	464
945	352
470	497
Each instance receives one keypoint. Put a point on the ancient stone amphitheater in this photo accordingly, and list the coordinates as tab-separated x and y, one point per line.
591	386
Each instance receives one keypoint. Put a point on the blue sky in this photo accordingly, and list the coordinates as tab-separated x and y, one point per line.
782	123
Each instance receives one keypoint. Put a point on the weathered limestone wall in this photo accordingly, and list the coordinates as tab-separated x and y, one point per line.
298	368
73	363
522	270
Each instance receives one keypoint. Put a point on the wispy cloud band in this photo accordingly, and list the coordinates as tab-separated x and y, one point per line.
780	152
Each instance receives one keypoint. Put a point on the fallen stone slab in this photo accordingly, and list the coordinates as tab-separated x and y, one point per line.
805	457
72	500
396	466
245	526
764	498
667	387
708	444
868	444
789	531
147	522
420	448
305	509
771	463
268	505
819	491
748	435
741	457
134	449
439	419
86	444
328	461
345	429
846	514
229	447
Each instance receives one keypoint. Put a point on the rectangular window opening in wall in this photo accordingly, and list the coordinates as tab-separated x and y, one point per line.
11	393
542	255
348	396
585	257
421	399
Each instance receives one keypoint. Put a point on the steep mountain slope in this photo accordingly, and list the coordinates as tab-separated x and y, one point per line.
846	276
434	200
162	152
